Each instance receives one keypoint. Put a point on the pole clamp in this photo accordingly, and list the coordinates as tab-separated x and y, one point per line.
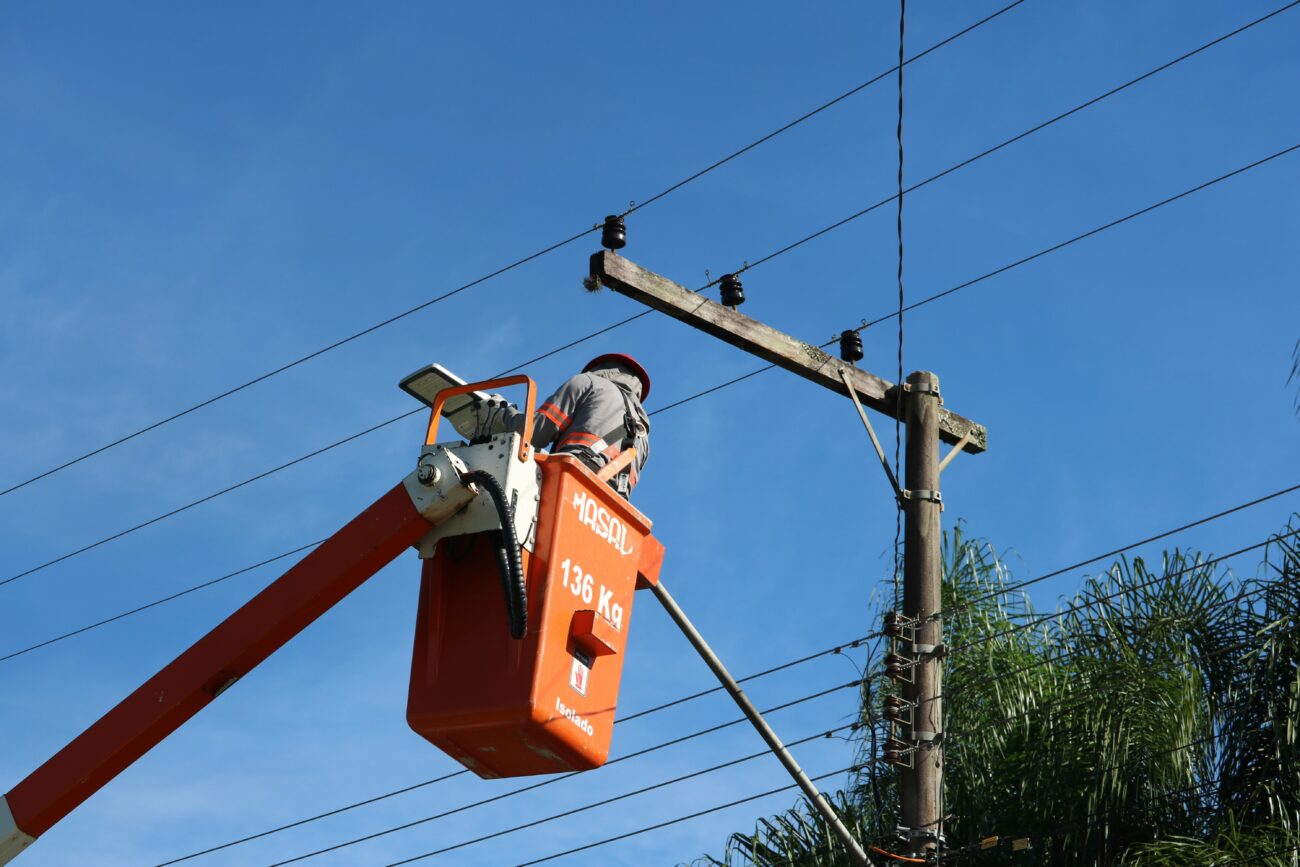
930	738
921	494
923	388
938	651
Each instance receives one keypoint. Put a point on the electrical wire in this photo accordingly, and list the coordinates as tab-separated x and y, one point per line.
769	257
1081	651
620	797
1011	588
837	649
1075	699
1204	564
550	781
659	826
898	198
990	274
955	609
139	608
1012	140
1093	599
506	268
833	650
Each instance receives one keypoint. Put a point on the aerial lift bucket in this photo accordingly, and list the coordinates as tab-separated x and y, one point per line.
501	697
543	703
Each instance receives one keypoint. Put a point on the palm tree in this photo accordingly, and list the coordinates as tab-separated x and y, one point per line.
1154	719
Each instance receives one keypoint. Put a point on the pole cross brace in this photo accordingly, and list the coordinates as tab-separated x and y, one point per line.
871	432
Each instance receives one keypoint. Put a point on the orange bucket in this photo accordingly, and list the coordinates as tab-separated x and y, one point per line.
545	703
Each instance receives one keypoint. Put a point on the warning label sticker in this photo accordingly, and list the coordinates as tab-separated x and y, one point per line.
580	674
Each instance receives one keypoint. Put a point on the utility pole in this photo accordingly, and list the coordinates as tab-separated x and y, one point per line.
918	633
921	811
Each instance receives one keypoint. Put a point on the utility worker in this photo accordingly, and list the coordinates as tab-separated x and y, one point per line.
594	416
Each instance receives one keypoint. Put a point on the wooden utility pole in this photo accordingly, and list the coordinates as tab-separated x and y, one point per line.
920	640
921	811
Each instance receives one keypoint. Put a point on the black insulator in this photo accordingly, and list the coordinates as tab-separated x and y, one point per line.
894	665
613	235
893	625
894	751
893	708
851	346
733	294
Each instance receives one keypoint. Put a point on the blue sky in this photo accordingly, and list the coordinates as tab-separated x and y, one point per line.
195	194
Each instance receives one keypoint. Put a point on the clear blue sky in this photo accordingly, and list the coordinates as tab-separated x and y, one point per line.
193	194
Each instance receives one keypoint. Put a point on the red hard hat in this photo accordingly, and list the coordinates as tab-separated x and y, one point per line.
627	361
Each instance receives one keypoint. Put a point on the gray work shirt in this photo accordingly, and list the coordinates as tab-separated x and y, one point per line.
585	417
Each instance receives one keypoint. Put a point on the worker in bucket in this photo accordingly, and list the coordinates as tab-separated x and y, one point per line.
594	416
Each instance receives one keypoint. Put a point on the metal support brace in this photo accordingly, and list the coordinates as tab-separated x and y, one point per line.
956	450
857	855
871	432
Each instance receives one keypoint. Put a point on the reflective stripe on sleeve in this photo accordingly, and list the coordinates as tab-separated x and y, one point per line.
554	413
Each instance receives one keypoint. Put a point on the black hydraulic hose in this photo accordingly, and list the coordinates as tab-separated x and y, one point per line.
510	564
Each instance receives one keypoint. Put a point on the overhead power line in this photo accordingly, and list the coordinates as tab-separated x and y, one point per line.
837	649
1204	564
621	797
779	252
552	780
661	825
1155	579
1130	762
1012	588
509	267
947	292
1074	701
997	271
155	603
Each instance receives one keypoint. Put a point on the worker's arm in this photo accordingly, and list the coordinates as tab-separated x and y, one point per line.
555	414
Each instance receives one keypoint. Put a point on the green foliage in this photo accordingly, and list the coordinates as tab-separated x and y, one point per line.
1154	719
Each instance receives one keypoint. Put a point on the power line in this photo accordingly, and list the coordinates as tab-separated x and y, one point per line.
354	841
1080	651
620	797
688	817
898	399
139	608
1039	127
506	268
767	258
956	609
1203	564
1149	539
1093	599
647	712
1123	591
1023	261
764	794
201	500
833	650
